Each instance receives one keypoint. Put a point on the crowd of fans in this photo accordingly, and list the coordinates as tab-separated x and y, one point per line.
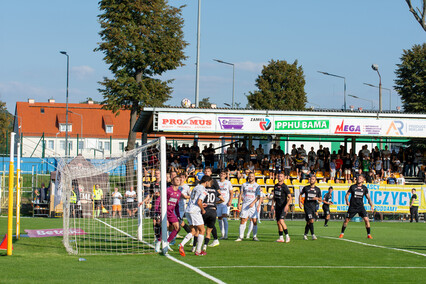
339	166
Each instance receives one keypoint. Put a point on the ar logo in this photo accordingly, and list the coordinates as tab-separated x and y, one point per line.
395	128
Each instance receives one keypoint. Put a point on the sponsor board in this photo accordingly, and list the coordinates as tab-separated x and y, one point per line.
186	122
246	124
53	233
385	198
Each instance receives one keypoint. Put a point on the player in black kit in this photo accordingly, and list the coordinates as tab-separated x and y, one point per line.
326	205
281	197
356	204
312	195
212	198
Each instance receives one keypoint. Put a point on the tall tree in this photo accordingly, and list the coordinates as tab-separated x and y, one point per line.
280	86
411	76
141	39
205	102
418	13
5	126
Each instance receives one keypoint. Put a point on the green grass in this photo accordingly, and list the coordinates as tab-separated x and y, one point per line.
45	260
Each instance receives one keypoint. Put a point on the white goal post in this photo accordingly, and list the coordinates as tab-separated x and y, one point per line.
109	206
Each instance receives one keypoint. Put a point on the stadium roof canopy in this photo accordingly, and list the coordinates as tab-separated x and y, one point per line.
344	124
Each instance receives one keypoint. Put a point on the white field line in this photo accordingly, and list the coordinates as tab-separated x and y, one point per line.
314	267
376	246
202	273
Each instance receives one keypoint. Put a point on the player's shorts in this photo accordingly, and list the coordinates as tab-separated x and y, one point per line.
326	209
131	205
309	213
353	211
279	212
172	218
116	207
209	218
194	219
98	203
222	209
248	212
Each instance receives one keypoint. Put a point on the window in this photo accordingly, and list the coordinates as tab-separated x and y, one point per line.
62	127
100	144
51	144
62	144
121	146
80	145
108	146
109	129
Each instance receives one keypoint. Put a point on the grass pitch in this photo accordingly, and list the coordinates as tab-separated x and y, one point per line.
326	260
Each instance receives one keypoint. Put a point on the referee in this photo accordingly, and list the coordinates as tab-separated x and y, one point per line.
281	197
312	195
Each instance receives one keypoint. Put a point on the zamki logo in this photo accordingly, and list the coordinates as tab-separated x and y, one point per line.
265	125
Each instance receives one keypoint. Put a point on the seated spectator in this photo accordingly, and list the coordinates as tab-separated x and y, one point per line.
370	178
305	171
174	166
250	166
231	167
190	169
391	179
199	175
400	180
299	164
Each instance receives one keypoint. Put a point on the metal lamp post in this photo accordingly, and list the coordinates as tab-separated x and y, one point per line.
371	101
81	128
66	111
344	85
197	74
375	67
233	77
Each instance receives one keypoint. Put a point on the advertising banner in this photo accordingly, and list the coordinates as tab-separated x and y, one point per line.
290	124
385	198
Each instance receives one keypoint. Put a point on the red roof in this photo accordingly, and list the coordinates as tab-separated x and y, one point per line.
39	118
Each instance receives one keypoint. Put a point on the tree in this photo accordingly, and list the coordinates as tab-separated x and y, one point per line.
140	40
205	102
410	82
419	14
280	86
5	126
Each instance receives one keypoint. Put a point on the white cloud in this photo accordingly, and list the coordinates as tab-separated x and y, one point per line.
82	72
250	66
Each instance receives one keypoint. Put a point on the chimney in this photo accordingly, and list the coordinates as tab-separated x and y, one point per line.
352	108
31	101
90	102
51	101
360	109
213	105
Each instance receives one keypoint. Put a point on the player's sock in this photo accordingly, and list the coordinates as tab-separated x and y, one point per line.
280	233
311	228
306	229
225	226
214	233
200	242
222	230
368	230
326	221
286	232
250	229
254	231
206	241
343	229
194	244
187	238
172	235
242	229
157	231
186	228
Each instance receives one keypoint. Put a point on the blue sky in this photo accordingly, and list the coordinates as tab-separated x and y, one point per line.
339	37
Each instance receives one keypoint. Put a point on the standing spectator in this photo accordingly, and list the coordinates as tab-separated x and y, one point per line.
231	152
294	151
321	157
116	203
205	154
386	155
376	153
260	154
253	155
414	206
356	163
299	164
366	164
378	167
288	164
211	155
339	163
391	179
346	167
416	161
43	193
131	202
301	151
312	157
197	161
409	159
333	169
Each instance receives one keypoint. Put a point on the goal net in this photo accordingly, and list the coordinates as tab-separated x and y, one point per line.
109	206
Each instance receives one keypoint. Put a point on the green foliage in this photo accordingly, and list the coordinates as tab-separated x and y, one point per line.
5	126
411	75
280	86
140	40
205	102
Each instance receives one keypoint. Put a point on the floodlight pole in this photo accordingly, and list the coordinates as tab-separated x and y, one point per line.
390	93
197	74
344	85
66	111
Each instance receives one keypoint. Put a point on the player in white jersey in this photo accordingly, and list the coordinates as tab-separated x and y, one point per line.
185	195
249	195
257	215
193	213
223	208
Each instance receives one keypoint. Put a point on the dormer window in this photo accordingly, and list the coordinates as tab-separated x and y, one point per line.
108	124
63	128
61	120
